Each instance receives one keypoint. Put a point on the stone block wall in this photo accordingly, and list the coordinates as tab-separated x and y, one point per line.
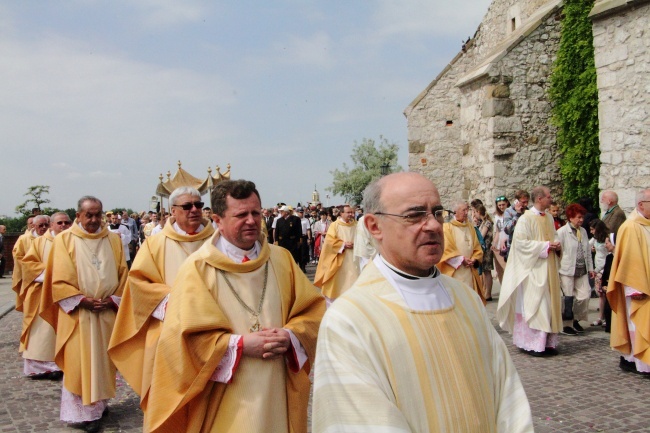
622	54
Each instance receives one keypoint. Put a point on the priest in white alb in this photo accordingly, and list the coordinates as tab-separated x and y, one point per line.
529	302
142	310
38	340
407	349
84	278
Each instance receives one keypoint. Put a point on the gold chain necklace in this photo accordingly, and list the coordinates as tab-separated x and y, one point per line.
256	314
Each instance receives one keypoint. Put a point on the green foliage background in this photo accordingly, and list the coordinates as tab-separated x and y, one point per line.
367	159
574	95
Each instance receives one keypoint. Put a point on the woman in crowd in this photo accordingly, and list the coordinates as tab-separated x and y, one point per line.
319	231
600	233
575	269
485	226
499	238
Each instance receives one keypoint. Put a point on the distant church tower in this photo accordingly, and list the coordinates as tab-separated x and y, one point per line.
315	196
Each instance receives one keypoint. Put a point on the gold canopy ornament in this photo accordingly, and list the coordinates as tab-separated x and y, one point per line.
184	178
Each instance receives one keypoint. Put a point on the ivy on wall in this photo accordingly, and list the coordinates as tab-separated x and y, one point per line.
574	95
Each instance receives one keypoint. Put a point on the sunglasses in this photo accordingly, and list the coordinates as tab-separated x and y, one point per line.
500	198
61	223
188	206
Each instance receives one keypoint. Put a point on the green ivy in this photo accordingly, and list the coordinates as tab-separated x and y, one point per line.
574	95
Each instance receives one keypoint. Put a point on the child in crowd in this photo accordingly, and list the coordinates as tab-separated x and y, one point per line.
597	243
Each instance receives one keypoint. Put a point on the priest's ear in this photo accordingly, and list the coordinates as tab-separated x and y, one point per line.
372	223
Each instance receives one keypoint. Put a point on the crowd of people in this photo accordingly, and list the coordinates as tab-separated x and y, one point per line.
208	314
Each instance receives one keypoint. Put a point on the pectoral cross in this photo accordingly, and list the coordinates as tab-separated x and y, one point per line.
256	326
96	262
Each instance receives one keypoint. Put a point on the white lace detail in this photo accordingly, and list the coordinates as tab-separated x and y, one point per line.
117	300
527	338
33	366
69	304
74	411
159	312
223	372
301	354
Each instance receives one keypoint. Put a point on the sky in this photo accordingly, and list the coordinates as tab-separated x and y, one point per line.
101	97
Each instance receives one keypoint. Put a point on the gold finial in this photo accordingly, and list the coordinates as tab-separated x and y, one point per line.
160	177
228	166
169	174
216	167
210	171
179	163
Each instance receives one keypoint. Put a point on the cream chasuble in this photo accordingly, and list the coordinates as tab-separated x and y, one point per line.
202	315
537	275
93	265
21	247
135	335
337	271
38	339
382	367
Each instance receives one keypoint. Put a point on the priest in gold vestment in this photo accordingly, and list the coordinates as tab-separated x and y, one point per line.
530	299
337	268
19	250
407	349
463	252
38	340
239	333
628	291
142	310
84	278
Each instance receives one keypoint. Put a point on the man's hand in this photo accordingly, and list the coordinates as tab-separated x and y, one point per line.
348	245
555	246
96	305
468	263
639	297
267	343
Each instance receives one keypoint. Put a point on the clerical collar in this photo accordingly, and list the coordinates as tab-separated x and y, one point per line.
536	211
86	231
114	226
434	273
236	254
182	232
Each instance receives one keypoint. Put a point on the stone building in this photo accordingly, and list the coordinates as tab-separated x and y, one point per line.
482	128
621	31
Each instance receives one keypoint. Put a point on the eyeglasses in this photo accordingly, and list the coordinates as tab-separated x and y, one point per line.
188	206
61	223
501	198
419	216
43	225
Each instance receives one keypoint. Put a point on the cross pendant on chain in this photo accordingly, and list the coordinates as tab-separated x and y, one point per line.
256	326
96	262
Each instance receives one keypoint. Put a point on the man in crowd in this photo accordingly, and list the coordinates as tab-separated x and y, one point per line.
153	222
288	231
239	334
463	252
529	304
613	215
142	311
122	230
132	225
305	238
85	275
364	247
512	214
268	223
21	247
37	340
406	348
628	291
337	270
162	221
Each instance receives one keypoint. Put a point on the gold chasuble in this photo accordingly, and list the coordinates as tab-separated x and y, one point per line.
461	240
383	367
202	314
538	276
37	340
93	265
336	272
136	332
631	267
20	249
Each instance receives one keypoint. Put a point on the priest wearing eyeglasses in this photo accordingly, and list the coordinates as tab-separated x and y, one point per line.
239	334
407	349
139	320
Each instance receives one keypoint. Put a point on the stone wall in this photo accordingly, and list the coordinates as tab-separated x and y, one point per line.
622	54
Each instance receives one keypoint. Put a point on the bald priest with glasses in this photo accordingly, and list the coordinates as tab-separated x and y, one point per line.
407	349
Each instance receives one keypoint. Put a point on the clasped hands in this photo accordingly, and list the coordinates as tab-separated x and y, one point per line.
269	343
96	305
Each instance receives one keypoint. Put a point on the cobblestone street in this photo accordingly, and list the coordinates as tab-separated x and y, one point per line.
581	390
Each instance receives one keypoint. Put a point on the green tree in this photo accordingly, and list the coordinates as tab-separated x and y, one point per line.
35	194
368	159
574	94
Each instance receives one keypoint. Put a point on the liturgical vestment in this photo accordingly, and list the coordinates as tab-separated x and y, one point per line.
461	241
337	269
202	316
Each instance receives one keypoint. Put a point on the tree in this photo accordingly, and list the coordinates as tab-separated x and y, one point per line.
574	94
368	160
36	194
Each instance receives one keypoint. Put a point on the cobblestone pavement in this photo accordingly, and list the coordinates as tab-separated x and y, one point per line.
581	390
